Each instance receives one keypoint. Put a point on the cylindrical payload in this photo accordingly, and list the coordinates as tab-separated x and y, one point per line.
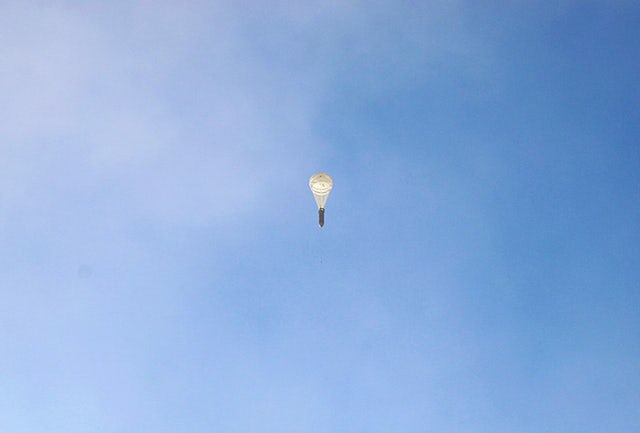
321	184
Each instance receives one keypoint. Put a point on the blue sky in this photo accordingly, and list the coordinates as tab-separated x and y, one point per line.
161	267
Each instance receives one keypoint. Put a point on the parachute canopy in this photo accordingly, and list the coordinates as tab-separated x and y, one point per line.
321	184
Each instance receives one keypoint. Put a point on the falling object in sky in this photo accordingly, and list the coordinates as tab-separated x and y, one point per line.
321	184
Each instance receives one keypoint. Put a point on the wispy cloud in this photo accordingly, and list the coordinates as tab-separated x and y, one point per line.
168	117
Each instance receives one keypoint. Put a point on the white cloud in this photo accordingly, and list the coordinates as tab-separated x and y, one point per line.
156	112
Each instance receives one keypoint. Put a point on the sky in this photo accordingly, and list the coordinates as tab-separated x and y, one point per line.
161	264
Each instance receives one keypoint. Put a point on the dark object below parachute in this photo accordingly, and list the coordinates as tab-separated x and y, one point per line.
321	217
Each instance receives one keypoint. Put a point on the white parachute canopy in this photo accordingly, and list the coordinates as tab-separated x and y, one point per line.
321	184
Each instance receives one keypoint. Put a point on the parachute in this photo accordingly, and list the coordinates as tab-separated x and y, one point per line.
321	184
